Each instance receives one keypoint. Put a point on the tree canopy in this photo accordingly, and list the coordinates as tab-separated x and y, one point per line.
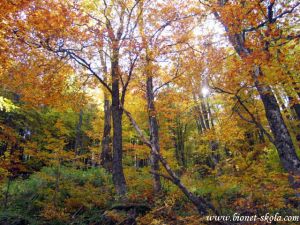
149	112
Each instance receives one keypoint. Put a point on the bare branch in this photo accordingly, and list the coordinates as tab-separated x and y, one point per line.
137	128
162	175
130	72
270	18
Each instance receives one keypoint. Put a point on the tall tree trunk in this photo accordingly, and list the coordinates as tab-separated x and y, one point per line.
153	123
198	124
283	141
183	148
205	112
210	115
154	137
106	157
117	112
214	144
199	117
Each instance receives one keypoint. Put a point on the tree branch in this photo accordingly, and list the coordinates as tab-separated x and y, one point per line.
201	204
162	175
253	119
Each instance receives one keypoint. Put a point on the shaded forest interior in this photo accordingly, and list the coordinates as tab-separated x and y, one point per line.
149	112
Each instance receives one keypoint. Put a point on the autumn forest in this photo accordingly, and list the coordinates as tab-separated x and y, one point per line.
158	112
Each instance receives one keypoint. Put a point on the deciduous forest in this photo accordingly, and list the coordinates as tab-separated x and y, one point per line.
158	112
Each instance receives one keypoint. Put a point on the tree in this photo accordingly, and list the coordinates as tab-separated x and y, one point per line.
70	37
244	25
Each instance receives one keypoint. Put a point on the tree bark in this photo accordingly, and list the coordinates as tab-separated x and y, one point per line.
117	112
283	141
179	140
154	137
199	118
205	112
210	115
106	157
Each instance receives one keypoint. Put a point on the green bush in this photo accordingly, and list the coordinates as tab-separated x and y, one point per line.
80	196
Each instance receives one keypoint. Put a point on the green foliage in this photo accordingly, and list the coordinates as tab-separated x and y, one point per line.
81	193
210	103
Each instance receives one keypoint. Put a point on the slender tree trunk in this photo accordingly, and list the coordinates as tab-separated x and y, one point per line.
199	117
286	112
214	144
106	157
205	113
293	96
117	112
154	137
183	148
261	137
179	140
295	107
180	144
78	140
210	115
198	124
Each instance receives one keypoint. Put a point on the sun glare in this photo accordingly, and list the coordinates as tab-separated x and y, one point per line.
205	91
